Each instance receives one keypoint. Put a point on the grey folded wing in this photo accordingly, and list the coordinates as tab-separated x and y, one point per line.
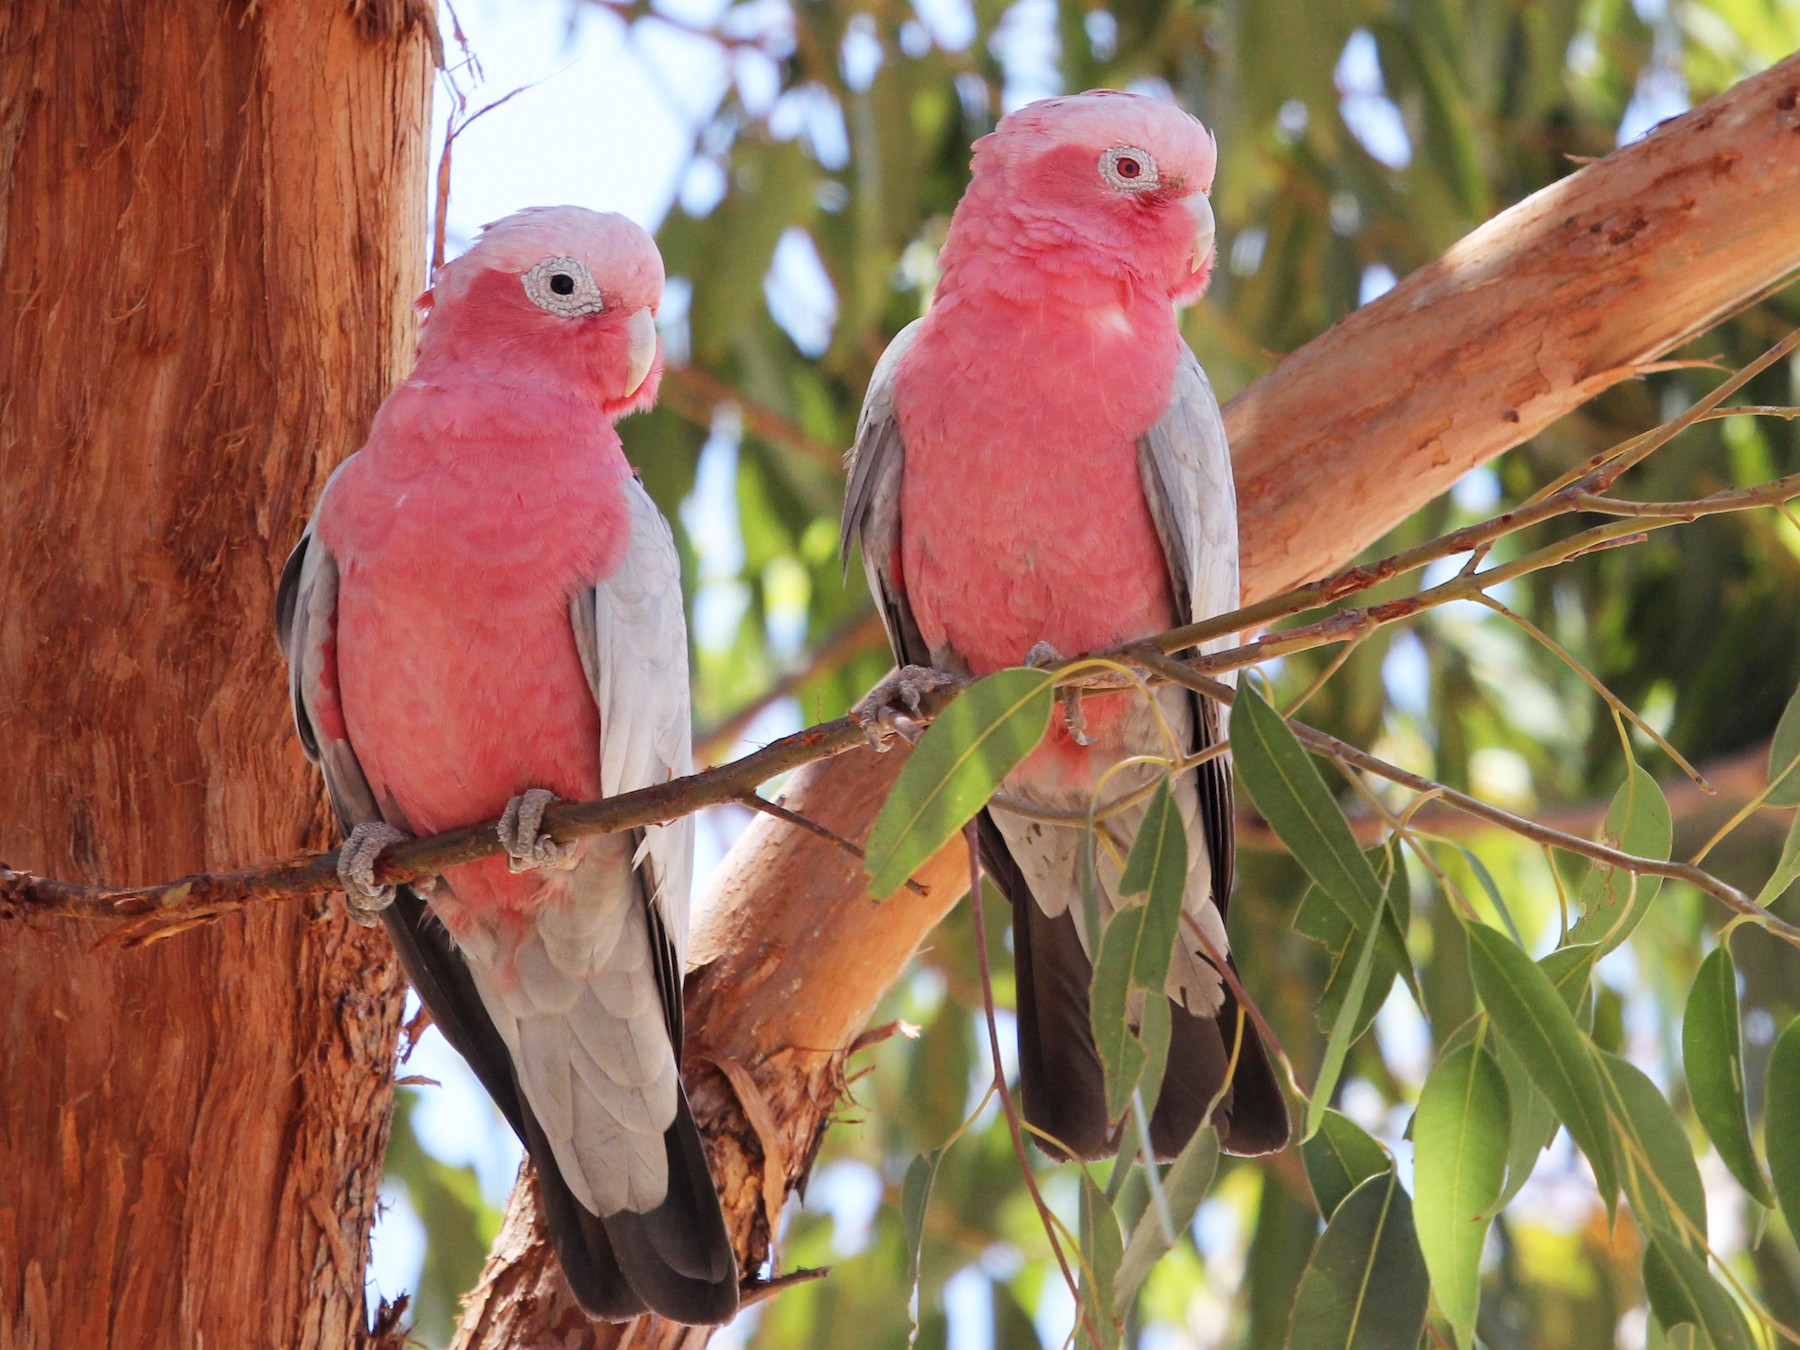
1185	467
874	468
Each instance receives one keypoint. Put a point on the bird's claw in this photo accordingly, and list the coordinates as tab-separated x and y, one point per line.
527	848
363	897
1043	656
889	709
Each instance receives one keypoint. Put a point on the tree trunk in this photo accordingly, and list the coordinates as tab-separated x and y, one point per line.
211	230
1543	307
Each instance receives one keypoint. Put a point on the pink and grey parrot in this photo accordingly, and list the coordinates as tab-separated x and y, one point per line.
1041	467
485	614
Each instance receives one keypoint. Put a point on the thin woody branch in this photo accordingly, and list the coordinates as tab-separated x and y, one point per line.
205	896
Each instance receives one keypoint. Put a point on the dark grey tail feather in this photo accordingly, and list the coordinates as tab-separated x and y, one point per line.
678	1256
677	1259
1252	1117
1259	1121
437	971
1060	1077
583	1248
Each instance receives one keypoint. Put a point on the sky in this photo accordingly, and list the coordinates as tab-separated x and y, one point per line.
606	116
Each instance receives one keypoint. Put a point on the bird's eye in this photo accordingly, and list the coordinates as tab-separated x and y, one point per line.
1128	169
563	286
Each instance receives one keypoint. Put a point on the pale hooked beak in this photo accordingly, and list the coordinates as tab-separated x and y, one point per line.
1201	210
641	329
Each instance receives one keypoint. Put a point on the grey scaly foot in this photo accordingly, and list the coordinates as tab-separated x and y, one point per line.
356	870
527	848
1043	656
883	711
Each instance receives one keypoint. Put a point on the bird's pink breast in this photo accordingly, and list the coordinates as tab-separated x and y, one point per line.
459	678
1023	514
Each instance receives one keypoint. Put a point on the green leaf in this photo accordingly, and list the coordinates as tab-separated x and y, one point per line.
1781	1130
1682	1290
1338	1158
1459	1150
1528	1012
1157	867
1185	1185
1712	1056
915	1195
1614	901
1365	1287
1136	946
1785	870
1286	787
957	765
1324	920
1104	1251
1784	756
1569	969
1343	1031
1667	1172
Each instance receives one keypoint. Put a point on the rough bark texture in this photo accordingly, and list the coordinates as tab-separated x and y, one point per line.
211	230
1540	309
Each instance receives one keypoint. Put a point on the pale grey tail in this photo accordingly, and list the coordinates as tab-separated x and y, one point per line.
676	1260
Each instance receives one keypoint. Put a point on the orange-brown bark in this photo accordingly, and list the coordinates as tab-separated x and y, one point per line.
1537	311
211	230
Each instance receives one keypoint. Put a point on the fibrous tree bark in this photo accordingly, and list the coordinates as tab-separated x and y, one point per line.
211	231
1556	299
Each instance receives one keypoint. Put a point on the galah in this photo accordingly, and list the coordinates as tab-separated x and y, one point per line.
1041	468
485	614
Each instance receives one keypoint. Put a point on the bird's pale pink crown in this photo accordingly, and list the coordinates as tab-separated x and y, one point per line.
558	293
1103	182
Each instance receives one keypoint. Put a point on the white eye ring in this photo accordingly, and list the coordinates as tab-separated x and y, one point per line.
1128	169
563	286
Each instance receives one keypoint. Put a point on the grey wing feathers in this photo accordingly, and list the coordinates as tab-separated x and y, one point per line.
305	617
875	467
1185	467
632	637
674	1255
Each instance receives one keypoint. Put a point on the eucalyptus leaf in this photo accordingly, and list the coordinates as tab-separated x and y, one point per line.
1135	948
915	1197
1286	787
1682	1290
1185	1185
1365	1287
1786	868
1614	901
1712	1056
1103	1249
1459	1163
1529	1012
1338	1157
1784	756
1781	1130
979	738
1661	1176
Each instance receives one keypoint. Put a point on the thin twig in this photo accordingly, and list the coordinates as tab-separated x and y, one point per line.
1007	1106
862	634
779	812
1322	743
